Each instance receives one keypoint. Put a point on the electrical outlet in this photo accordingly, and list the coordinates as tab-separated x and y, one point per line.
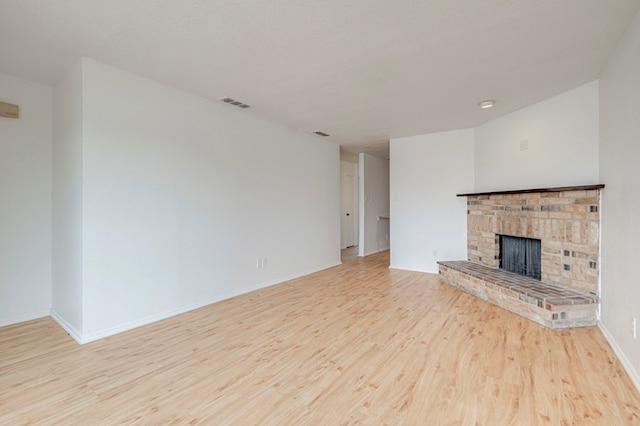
634	328
265	262
434	253
524	145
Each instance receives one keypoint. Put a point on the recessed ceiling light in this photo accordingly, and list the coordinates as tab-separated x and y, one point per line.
486	104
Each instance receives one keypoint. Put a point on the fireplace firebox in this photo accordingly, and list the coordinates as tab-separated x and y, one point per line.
521	255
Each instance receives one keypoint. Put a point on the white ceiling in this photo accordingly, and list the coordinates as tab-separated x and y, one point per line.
363	71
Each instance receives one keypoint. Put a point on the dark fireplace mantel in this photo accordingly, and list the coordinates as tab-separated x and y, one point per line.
525	191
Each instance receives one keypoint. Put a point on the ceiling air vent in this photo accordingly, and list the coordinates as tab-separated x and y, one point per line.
319	133
235	103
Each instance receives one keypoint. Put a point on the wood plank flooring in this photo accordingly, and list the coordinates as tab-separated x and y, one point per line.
355	344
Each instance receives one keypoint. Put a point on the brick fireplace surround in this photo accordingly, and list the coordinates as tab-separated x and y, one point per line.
567	221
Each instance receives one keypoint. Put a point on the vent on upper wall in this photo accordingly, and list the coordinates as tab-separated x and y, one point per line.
9	110
234	103
320	133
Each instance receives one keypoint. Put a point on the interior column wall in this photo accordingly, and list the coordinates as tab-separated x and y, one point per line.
428	221
68	180
619	154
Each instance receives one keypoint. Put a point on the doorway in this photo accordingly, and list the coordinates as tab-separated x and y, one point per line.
349	204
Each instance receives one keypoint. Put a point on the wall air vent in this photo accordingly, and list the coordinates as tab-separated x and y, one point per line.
9	110
234	103
319	133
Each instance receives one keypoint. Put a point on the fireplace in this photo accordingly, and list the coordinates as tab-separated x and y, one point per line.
549	237
566	221
521	255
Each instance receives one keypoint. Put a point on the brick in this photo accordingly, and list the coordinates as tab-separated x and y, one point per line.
529	195
575	208
552	201
561	215
594	234
538	202
551	247
574	194
581	247
586	216
587	200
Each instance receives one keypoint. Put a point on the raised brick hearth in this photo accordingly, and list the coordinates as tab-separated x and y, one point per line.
549	305
566	221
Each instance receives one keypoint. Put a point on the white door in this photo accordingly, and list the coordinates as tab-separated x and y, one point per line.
349	211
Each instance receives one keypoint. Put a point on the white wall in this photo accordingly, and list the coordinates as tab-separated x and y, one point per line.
181	195
25	202
373	201
620	172
562	137
67	159
427	172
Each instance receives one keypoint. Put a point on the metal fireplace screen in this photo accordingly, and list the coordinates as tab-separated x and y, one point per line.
520	255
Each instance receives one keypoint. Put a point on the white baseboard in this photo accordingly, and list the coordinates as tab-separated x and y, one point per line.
71	330
90	337
292	277
633	374
101	334
22	318
400	268
369	253
408	268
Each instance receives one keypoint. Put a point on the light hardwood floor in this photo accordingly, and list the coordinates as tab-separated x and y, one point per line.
355	344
